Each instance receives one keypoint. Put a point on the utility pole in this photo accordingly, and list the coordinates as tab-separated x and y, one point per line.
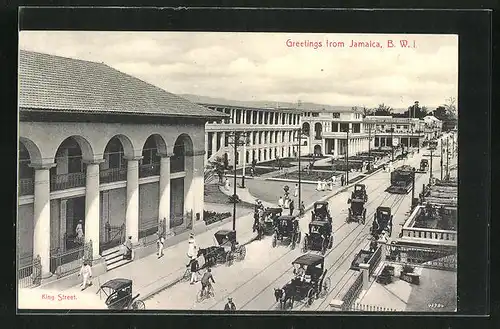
236	141
244	159
447	159
441	161
430	169
413	189
392	142
299	143
347	157
369	146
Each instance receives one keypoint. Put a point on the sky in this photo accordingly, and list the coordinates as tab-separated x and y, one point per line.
267	67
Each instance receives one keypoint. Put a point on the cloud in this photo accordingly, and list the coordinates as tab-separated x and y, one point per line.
260	66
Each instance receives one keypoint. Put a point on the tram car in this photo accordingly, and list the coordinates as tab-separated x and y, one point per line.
401	180
382	222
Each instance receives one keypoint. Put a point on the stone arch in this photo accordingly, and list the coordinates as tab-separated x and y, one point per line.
306	128
86	150
33	150
128	147
317	149
161	145
185	142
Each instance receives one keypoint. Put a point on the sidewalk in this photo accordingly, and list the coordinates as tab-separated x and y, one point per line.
150	274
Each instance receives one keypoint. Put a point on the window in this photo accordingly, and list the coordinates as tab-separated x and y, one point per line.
336	115
315	114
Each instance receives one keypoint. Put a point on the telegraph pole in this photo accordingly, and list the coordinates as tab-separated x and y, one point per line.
412	188
299	143
347	157
369	146
236	141
430	176
441	161
392	142
244	159
447	160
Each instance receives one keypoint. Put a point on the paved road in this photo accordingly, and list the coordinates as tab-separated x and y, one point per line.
250	282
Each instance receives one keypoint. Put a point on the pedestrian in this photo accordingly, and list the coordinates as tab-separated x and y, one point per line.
281	202
194	269
318	185
79	231
342	180
302	210
292	207
127	250
296	190
86	274
334	180
330	184
160	244
227	184
192	247
230	305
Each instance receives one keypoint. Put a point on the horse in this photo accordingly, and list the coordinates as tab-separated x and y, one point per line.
209	254
285	294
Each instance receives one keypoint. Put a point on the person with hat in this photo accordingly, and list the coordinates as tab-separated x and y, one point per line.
79	231
160	243
192	248
86	273
230	305
127	252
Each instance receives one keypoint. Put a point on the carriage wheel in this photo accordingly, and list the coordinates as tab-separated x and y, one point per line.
138	305
298	239
242	252
304	246
325	286
229	258
275	240
310	296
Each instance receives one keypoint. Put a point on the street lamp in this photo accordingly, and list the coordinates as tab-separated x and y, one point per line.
299	143
447	160
392	142
441	161
347	156
236	141
369	146
247	141
431	148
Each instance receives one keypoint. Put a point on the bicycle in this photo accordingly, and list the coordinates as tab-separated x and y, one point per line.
206	293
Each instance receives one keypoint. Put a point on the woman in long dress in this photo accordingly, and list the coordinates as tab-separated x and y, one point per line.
79	231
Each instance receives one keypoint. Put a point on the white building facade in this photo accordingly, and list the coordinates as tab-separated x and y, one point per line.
270	133
396	131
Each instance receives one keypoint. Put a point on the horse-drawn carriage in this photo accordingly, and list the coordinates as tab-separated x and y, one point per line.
227	251
424	166
382	221
357	211
266	224
287	228
118	294
321	212
319	238
310	282
359	192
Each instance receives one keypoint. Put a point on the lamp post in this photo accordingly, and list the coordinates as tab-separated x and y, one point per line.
347	156
244	158
447	160
441	161
430	176
369	146
392	142
299	143
236	141
413	188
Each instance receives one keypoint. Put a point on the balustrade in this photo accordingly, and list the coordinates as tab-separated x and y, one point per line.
66	181
147	170
113	175
26	186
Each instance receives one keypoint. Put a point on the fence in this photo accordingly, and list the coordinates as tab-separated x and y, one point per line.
113	175
29	273
26	186
353	292
152	169
69	261
65	181
442	259
372	308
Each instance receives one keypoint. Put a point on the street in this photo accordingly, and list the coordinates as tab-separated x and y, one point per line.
251	282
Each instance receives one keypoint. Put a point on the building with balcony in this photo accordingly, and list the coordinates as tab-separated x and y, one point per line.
270	132
433	127
396	131
104	148
327	132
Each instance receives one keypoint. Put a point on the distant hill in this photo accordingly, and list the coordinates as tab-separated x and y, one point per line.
264	104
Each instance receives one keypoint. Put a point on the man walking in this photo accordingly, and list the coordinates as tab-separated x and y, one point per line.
127	252
292	207
160	244
86	273
342	180
302	210
194	269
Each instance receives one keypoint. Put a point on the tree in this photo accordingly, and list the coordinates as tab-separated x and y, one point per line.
383	110
448	114
416	111
450	105
367	111
214	168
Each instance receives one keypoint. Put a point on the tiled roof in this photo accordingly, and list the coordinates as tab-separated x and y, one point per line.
48	82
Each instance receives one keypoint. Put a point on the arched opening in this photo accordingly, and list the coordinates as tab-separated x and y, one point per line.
317	149
69	172
114	167
26	173
306	128
181	161
150	162
318	129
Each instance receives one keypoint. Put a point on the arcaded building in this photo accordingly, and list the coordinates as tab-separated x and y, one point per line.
270	132
102	147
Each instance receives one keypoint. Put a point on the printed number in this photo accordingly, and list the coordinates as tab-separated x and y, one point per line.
436	305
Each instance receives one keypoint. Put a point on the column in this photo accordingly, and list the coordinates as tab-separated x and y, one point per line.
221	142
92	203
41	236
206	145
214	143
251	117
62	224
132	211
164	197
336	147
242	116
